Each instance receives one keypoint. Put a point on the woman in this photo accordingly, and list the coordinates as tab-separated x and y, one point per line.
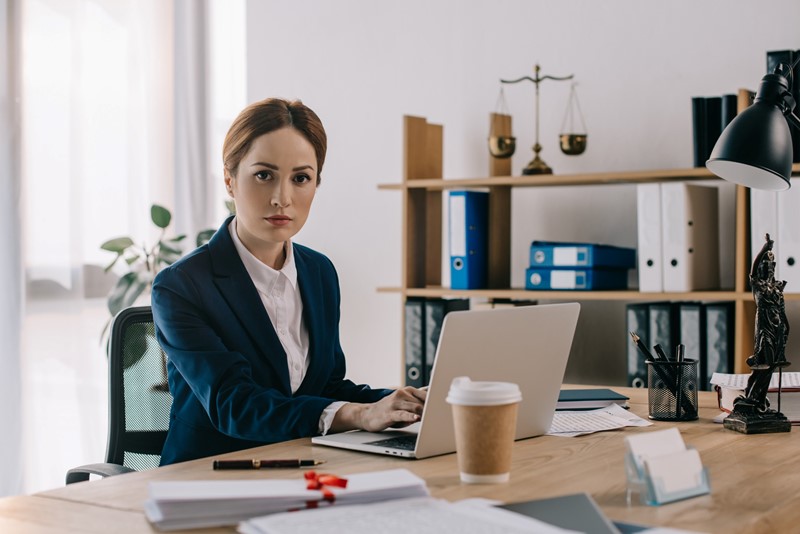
250	321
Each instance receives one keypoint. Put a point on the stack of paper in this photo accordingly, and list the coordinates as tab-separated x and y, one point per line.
418	516
209	503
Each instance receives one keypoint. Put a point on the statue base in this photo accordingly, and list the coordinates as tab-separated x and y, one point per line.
757	423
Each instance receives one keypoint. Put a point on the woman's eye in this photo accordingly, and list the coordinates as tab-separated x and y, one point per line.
302	178
263	175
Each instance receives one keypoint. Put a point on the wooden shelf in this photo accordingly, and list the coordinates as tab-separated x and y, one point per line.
422	190
523	294
551	180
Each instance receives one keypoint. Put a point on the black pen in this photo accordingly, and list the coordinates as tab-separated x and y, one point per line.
638	342
660	352
262	464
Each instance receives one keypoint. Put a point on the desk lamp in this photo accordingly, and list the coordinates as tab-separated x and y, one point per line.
755	151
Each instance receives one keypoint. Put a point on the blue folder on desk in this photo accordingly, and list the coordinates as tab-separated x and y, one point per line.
575	279
469	248
585	255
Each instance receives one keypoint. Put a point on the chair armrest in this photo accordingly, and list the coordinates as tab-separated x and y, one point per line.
81	474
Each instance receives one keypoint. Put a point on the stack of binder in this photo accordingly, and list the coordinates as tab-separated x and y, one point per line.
678	233
578	266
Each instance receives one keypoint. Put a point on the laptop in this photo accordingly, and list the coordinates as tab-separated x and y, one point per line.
527	345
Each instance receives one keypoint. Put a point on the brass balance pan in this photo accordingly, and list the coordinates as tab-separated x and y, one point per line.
502	146
572	144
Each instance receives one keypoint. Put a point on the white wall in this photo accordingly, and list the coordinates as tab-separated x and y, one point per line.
362	64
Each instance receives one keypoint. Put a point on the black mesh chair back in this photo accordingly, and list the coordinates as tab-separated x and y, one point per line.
139	399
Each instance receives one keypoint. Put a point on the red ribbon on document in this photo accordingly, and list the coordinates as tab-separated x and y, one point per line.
315	481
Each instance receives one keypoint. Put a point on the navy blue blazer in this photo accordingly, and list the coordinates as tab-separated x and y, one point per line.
227	369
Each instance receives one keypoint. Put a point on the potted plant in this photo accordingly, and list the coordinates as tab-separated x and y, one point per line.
144	262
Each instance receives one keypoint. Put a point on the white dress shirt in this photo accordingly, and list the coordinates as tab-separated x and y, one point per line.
280	295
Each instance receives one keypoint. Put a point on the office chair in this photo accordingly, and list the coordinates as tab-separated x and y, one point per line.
139	400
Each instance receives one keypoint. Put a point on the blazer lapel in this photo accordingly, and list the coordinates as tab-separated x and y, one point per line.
238	290
308	277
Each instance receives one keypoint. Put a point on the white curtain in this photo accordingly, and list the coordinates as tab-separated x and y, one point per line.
209	93
97	151
98	135
124	103
10	259
193	201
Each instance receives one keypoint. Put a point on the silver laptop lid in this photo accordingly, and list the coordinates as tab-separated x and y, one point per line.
527	345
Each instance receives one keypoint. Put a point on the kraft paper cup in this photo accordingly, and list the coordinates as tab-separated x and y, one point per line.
485	421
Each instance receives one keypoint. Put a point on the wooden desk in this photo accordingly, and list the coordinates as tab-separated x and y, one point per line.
753	480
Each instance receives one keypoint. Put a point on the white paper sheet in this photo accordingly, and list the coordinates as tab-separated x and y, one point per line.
420	516
576	423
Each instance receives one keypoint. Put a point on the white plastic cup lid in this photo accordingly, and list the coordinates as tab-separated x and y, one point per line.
465	392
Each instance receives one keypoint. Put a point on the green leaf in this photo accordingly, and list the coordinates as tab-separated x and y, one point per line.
179	238
231	205
126	291
118	244
167	257
166	248
160	215
135	343
204	237
110	265
132	259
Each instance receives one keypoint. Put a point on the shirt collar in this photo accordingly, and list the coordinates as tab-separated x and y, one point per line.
264	277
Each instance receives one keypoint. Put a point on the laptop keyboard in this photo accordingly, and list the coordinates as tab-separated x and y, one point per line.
405	443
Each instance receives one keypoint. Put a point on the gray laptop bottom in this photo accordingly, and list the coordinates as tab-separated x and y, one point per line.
527	345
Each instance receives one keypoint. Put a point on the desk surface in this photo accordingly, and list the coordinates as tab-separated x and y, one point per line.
753	480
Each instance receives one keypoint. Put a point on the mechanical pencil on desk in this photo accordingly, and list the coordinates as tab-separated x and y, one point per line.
262	464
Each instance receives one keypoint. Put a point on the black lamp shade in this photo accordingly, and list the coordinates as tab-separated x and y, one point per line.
755	150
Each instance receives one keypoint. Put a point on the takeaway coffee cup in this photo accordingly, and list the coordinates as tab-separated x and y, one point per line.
485	420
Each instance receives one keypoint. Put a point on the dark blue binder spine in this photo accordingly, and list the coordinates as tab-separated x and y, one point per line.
414	341
435	312
719	341
469	219
637	321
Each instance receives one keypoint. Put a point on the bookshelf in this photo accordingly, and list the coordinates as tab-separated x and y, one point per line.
422	188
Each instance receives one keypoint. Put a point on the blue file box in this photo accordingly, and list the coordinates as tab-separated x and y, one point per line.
575	279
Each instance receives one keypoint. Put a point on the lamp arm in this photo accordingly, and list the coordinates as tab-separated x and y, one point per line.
793	120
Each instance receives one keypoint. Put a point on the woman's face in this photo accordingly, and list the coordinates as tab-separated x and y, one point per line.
273	189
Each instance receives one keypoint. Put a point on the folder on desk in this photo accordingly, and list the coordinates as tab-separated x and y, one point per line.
575	279
586	255
648	227
469	218
690	236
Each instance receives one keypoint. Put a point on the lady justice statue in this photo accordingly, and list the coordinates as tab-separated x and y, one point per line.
751	412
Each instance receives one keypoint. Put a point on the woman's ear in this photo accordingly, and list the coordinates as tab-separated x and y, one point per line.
229	183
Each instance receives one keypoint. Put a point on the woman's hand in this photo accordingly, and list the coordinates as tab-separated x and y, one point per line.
401	408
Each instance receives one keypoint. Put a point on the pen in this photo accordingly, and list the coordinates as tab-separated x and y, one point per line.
660	352
261	464
638	342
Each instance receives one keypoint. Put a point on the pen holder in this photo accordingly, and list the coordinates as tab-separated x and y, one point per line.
655	490
672	390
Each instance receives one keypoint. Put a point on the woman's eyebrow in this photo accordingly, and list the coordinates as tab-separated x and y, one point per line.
276	168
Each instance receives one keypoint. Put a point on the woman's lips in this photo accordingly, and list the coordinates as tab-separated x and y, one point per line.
279	220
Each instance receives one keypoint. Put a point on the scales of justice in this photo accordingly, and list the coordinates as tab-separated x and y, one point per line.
571	142
751	412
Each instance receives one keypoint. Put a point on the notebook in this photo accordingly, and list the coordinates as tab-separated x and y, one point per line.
527	345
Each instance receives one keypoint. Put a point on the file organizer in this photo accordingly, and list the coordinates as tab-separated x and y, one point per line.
652	477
